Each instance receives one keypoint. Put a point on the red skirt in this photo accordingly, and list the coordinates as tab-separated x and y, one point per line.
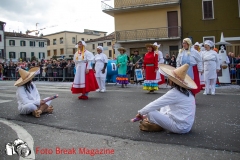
162	80
90	84
150	73
196	80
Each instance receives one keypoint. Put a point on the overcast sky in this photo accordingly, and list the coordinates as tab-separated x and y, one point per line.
70	15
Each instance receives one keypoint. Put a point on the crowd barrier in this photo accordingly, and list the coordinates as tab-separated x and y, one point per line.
67	74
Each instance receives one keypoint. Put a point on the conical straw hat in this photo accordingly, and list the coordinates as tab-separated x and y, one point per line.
178	75
26	76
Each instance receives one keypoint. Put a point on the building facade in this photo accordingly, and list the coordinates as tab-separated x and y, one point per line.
138	22
63	43
23	47
2	43
206	19
107	42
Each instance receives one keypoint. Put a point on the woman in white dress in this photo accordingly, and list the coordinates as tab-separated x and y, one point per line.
84	80
159	76
177	106
188	55
28	96
211	66
100	68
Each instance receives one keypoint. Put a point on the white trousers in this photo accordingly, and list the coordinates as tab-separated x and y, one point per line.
210	84
101	82
30	107
164	121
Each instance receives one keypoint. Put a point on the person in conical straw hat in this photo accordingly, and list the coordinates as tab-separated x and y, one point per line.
177	106
28	97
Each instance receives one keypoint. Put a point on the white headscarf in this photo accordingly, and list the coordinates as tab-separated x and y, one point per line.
210	43
155	44
83	43
197	44
100	47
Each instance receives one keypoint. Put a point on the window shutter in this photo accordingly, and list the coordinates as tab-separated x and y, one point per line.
39	55
208	12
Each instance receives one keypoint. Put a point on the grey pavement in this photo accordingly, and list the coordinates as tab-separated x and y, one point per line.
75	123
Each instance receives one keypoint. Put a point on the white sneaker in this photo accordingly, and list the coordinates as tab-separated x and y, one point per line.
103	90
213	93
204	93
98	90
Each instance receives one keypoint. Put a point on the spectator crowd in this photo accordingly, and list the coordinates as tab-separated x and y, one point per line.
50	70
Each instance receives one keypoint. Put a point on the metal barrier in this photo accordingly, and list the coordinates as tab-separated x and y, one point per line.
67	74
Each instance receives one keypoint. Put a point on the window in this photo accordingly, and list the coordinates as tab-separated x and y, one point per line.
41	44
110	53
82	39
61	40
61	51
41	55
32	43
12	42
211	38
22	43
22	55
73	40
0	38
93	46
49	53
12	55
109	43
207	9
32	54
54	41
100	44
74	50
1	27
48	42
54	52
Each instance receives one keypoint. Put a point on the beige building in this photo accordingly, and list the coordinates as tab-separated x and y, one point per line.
107	42
63	43
146	21
22	46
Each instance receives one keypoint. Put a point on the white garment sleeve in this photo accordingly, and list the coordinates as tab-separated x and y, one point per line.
227	60
179	59
89	57
23	97
167	99
198	59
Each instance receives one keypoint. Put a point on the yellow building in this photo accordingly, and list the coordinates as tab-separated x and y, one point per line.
63	43
107	42
138	22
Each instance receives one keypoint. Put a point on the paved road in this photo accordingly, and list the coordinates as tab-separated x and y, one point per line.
216	128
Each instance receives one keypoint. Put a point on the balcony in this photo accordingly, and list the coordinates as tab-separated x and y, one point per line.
163	33
134	5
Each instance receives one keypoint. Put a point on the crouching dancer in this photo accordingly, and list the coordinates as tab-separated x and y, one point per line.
177	106
27	94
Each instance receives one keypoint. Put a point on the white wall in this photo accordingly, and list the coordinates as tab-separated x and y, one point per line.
28	49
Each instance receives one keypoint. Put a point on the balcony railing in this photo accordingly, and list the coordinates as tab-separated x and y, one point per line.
164	33
126	4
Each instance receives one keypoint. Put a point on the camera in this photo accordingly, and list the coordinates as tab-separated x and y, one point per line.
18	147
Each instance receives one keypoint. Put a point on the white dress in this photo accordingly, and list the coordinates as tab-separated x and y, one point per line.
28	102
177	111
100	60
160	61
211	64
81	65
